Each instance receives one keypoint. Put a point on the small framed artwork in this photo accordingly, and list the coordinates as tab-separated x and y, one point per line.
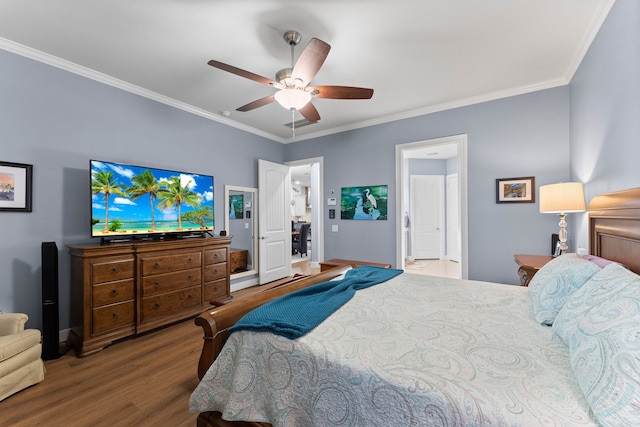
15	187
236	203
516	190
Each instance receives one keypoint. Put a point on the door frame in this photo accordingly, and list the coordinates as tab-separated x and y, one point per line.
317	207
449	221
461	142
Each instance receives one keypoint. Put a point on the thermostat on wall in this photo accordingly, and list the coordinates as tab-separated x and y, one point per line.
331	201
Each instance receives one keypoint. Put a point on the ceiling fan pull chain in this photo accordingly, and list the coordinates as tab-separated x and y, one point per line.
293	123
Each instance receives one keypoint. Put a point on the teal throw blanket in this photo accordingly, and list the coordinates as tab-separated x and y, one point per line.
294	315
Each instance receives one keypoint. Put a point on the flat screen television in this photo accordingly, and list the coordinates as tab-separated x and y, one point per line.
128	201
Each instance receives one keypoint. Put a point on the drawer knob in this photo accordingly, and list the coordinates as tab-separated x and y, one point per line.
190	277
215	256
189	260
156	265
114	316
156	283
156	305
114	292
114	270
189	296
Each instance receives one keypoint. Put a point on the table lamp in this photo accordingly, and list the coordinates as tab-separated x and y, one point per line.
562	198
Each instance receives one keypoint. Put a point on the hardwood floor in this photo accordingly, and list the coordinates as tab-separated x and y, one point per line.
142	381
433	267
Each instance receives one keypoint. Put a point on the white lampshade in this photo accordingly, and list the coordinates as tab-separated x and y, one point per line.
292	99
564	197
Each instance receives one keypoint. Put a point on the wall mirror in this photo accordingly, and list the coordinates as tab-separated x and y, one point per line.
240	212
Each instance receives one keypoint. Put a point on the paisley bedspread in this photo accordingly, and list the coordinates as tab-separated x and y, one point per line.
413	351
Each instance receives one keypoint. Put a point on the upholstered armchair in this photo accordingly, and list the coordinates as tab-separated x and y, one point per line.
20	355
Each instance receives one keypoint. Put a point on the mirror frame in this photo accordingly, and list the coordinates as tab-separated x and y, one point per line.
227	190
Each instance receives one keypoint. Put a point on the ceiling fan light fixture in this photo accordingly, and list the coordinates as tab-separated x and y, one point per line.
292	99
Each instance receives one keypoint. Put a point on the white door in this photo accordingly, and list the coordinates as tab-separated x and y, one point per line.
427	215
453	219
274	221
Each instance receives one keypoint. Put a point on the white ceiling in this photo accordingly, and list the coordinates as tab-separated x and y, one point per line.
419	56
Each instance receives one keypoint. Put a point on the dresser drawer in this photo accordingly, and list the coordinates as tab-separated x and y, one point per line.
170	303
163	264
215	272
110	271
215	290
112	317
162	283
112	292
213	256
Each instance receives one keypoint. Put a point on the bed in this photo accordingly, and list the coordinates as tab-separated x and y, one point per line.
420	350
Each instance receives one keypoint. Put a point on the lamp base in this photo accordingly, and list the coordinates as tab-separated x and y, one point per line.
562	235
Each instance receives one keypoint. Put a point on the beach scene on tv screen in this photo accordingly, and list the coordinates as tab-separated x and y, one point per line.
128	199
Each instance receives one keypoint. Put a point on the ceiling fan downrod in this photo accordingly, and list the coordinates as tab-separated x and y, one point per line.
292	38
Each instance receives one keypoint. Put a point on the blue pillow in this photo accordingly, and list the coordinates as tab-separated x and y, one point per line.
600	324
555	282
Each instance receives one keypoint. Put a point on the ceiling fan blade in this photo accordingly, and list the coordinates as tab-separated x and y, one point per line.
257	103
310	113
242	73
342	92
310	60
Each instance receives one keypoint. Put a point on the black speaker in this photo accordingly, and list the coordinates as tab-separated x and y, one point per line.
50	320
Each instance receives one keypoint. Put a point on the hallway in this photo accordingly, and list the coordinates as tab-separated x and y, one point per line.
433	267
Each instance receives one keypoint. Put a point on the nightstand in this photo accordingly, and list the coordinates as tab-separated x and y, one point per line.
529	266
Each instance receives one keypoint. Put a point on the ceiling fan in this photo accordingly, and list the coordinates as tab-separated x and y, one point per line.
293	83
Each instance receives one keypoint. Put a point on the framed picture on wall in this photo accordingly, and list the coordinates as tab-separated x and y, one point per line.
15	187
236	206
516	190
368	202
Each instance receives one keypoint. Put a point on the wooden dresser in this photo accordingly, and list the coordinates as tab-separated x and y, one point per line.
123	289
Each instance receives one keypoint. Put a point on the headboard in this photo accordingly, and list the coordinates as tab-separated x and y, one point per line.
614	227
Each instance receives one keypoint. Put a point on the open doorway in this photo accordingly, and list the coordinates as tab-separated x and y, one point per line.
306	208
438	235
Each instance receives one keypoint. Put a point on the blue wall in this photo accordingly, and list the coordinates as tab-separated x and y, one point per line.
605	111
57	121
525	135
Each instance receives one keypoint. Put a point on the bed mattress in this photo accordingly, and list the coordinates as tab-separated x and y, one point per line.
413	351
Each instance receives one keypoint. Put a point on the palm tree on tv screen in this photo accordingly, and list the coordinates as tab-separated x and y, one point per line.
146	183
176	195
105	183
199	216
